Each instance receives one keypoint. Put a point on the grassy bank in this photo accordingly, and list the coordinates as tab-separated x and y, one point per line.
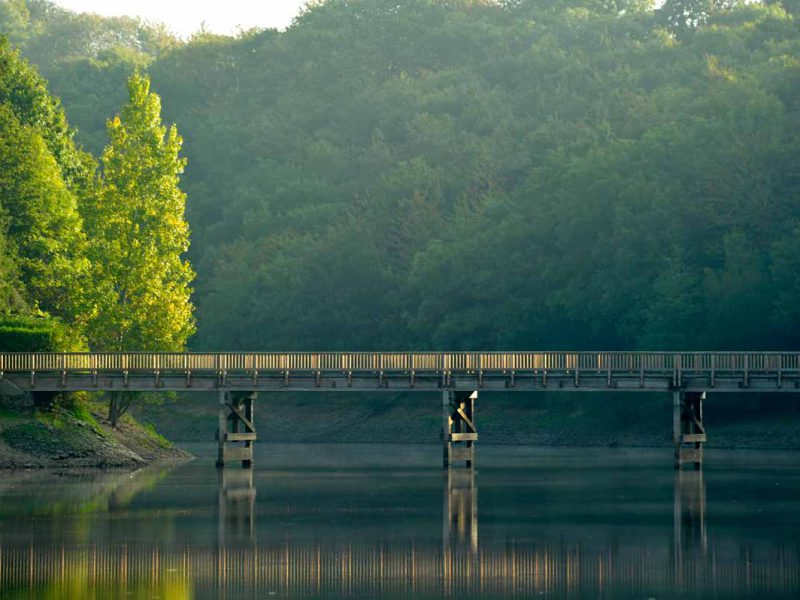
77	436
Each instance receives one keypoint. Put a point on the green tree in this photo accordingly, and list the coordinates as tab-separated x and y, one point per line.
43	222
25	91
14	19
11	298
468	173
42	178
679	15
138	236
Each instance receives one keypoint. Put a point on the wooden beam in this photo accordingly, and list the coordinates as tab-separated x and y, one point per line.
467	421
698	423
247	423
463	437
238	453
241	437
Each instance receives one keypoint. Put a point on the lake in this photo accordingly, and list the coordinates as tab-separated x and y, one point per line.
385	521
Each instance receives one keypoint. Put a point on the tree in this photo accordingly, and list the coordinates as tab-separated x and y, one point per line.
43	222
680	15
138	235
14	17
43	176
463	174
25	91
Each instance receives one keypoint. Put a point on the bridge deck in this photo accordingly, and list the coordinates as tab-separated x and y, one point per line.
409	371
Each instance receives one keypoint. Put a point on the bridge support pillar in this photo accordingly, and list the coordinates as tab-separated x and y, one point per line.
688	430
236	431
458	427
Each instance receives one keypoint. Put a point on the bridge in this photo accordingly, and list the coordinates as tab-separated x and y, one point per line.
238	378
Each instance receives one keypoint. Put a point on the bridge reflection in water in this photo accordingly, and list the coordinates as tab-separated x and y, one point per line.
460	510
236	496
690	540
242	566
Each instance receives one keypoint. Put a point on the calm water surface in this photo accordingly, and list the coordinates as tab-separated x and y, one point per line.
384	521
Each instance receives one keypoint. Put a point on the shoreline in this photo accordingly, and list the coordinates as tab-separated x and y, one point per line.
78	439
182	455
81	438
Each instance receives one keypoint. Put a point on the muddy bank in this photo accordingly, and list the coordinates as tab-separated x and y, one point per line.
32	439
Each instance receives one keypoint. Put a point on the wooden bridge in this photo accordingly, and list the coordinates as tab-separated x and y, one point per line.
458	376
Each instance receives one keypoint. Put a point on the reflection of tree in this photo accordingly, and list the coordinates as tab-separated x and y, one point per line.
126	489
79	585
76	494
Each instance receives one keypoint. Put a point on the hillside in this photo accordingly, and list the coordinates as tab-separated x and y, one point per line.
466	174
412	174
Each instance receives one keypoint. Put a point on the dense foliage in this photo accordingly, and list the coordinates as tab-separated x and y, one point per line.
471	174
42	177
34	333
138	233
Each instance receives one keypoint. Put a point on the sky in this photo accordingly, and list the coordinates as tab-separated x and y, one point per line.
184	17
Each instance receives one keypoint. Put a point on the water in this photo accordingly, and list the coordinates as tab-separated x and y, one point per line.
384	521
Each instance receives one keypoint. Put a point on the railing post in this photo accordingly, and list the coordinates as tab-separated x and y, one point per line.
746	370
713	370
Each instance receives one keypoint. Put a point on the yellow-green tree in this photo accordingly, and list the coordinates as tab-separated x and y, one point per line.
44	224
138	235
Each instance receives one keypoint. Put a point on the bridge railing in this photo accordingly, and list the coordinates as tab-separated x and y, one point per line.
402	361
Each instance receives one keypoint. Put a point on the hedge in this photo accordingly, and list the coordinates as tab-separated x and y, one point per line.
31	334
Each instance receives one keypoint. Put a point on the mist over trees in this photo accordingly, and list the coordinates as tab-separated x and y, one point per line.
461	174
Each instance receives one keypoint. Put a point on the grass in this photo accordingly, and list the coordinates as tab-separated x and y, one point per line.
73	431
8	413
82	411
148	429
151	432
68	427
42	438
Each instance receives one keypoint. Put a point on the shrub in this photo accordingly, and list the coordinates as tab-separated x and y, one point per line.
35	333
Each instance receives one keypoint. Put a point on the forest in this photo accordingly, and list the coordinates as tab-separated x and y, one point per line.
408	174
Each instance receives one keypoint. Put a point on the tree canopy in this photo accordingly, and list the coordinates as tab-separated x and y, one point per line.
43	177
89	256
138	234
471	174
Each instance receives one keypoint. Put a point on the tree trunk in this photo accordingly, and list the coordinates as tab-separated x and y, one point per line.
118	403
113	409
